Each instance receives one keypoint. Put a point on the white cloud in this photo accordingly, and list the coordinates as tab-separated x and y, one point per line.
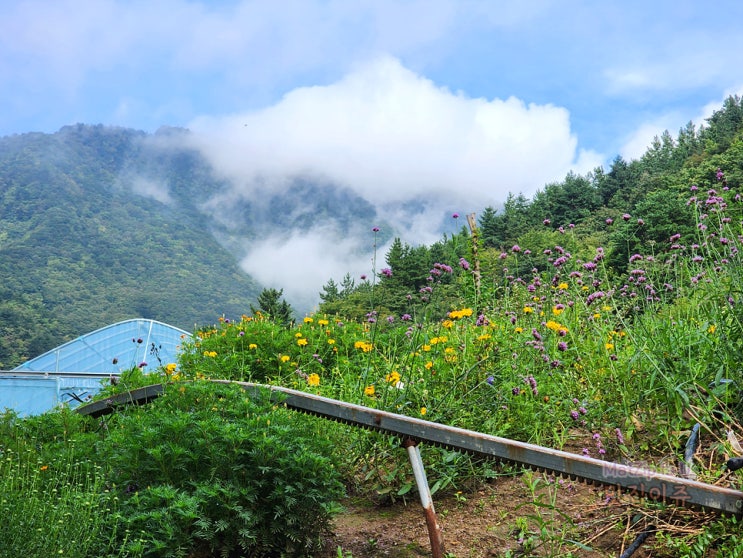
303	262
392	135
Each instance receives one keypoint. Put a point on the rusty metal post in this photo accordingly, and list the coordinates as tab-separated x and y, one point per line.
434	531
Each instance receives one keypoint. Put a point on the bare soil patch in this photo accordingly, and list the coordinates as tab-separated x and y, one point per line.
574	520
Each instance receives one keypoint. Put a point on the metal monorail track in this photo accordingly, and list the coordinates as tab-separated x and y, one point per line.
639	481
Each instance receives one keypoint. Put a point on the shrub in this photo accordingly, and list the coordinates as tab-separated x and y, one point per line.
206	469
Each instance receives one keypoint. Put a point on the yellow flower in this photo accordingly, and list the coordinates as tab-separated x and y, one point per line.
369	391
43	467
331	341
447	324
557	311
484	337
562	286
393	377
252	346
606	308
426	348
711	328
308	320
423	411
170	368
302	342
528	309
284	358
609	346
298	334
211	354
596	316
363	345
450	350
428	365
519	330
313	380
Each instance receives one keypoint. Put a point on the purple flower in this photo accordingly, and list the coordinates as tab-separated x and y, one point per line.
609	221
242	333
387	272
375	229
574	414
516	248
620	438
490	380
481	320
464	264
562	346
363	277
720	175
390	319
142	364
626	216
640	222
516	391
546	222
455	216
406	317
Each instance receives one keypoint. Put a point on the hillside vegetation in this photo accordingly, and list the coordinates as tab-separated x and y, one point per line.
609	325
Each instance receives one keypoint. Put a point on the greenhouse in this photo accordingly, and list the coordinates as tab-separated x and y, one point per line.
75	371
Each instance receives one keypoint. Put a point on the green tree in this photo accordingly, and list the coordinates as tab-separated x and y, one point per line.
271	304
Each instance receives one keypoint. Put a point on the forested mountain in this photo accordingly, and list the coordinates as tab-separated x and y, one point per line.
99	224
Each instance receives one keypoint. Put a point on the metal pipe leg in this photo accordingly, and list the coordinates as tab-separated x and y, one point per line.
434	531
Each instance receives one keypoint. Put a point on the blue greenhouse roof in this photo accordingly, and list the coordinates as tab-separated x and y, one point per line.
73	372
113	348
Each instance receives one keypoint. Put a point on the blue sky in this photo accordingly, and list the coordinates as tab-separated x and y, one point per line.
462	101
619	68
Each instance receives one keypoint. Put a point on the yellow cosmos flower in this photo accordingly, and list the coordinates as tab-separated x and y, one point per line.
393	377
519	330
562	286
557	311
447	324
369	391
170	368
426	348
302	342
712	328
423	411
308	320
463	313
252	346
284	358
323	322
313	380
331	341
609	346
363	345
484	337
428	365
298	334
210	354
528	309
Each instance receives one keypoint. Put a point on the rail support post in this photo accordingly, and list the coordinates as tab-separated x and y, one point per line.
434	531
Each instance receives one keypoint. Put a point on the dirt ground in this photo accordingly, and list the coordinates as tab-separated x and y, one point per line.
574	520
